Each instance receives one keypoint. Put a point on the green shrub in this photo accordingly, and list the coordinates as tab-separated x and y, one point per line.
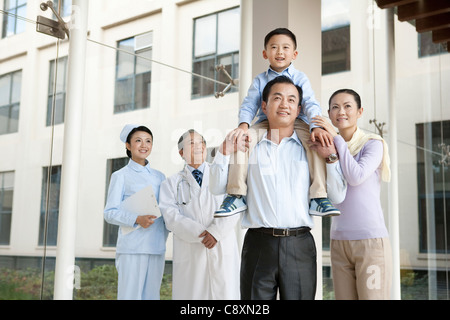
99	283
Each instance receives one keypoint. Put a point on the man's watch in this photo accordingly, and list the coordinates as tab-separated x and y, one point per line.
332	158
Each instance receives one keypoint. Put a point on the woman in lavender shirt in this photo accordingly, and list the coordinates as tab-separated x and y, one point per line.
360	249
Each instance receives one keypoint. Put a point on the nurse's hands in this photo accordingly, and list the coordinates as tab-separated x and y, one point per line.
145	221
208	240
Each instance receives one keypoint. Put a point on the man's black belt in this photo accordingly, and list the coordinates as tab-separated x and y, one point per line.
288	232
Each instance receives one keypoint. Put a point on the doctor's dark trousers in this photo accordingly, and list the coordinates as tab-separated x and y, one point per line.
272	264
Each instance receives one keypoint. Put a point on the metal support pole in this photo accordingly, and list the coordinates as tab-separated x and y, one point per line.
65	253
394	229
245	69
246	48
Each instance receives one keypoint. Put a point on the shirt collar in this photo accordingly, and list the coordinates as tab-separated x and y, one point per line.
292	137
137	167
288	71
201	168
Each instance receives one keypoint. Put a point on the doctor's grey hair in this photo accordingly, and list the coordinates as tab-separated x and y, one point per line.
185	135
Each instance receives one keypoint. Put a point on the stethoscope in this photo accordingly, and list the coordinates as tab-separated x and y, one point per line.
181	199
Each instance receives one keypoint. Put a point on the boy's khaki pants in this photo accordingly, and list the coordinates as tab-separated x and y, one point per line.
237	172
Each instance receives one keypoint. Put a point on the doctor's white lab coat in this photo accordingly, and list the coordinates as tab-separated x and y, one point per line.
200	273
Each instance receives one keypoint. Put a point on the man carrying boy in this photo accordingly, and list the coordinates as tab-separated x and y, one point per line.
279	253
280	48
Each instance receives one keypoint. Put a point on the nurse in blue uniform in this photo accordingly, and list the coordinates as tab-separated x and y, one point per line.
141	242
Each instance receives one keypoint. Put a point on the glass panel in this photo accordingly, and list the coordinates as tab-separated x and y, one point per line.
67	8
335	36
422	72
228	41
336	50
235	74
124	95
61	77
9	4
227	62
426	45
60	100
14	118
7	200
143	61
6	206
7	180
5	90
142	90
50	207
5	228
125	61
133	75
21	24
23	259
229	31
122	82
205	36
4	119
59	89
200	86
110	231
433	186
16	86
335	14
9	24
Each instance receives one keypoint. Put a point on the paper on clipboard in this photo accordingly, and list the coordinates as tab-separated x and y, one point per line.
142	202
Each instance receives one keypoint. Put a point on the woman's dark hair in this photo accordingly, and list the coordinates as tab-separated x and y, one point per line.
140	128
280	79
278	31
349	91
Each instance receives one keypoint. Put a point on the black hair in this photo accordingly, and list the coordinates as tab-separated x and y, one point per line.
140	128
184	135
278	31
349	91
281	79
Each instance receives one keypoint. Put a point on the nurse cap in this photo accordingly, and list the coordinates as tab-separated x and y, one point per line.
126	131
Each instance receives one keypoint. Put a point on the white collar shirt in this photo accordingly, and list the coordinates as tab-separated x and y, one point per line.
278	185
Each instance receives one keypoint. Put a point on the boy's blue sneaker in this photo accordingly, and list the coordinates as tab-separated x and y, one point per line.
322	207
230	206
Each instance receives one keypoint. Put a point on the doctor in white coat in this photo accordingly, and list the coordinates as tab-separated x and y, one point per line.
205	251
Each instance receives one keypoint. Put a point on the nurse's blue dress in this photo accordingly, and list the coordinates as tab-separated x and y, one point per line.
139	254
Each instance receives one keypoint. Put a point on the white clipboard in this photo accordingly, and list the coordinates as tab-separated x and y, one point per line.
142	202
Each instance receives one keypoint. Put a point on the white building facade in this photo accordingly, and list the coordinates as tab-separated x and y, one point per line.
153	62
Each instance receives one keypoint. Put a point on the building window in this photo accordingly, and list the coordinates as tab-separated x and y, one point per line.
6	205
110	230
66	7
433	182
48	224
11	24
10	85
427	47
57	91
216	42
335	36
336	50
133	73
